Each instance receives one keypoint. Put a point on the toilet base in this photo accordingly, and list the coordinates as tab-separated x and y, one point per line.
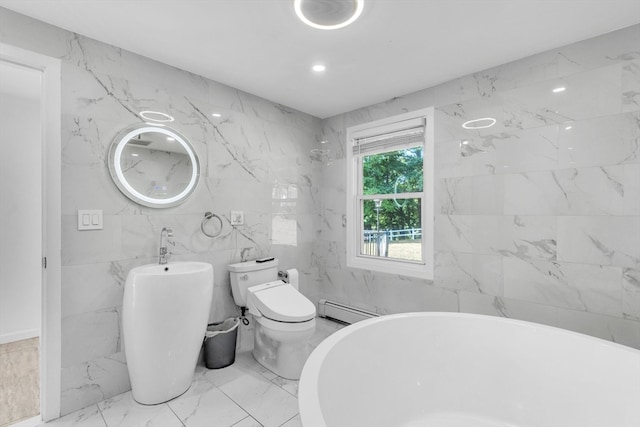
285	359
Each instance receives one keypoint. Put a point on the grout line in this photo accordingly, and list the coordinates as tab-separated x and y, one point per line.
104	420
173	412
290	419
248	416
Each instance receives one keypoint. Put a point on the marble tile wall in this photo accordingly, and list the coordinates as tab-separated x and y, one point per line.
256	158
538	217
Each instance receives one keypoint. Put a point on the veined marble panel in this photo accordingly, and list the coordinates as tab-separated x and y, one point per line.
591	288
612	48
333	184
333	255
588	191
92	382
592	93
469	272
89	336
499	153
91	246
143	234
601	141
91	287
333	224
471	302
333	133
480	195
526	237
384	293
631	86
614	329
603	240
266	110
631	293
632	189
450	118
527	150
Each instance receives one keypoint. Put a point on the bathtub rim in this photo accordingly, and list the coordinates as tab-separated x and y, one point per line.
308	398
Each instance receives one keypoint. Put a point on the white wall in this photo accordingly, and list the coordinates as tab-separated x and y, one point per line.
20	215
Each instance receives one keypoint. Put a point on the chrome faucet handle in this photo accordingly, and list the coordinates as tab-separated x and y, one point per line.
164	252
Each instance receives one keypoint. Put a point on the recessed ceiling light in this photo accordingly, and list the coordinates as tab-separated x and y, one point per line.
156	116
170	139
483	123
319	68
216	114
559	89
328	14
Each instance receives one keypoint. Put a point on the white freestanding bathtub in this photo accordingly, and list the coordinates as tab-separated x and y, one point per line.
464	370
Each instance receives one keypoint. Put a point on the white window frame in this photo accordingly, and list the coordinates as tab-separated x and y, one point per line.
353	180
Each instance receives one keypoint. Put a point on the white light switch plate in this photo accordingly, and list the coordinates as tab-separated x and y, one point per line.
90	219
237	217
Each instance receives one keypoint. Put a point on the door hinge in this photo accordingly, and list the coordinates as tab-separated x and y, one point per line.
44	262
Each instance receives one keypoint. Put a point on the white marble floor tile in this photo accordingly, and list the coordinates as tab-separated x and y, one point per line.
324	328
266	402
86	417
247	422
293	422
206	406
221	377
246	360
289	386
123	411
245	394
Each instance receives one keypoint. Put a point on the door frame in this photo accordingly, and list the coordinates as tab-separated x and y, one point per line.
50	332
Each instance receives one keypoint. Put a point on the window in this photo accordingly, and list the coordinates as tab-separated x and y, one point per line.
390	195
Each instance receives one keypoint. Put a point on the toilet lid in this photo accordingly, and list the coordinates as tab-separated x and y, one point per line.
283	303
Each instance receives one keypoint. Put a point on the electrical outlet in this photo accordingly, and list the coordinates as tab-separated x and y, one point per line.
237	218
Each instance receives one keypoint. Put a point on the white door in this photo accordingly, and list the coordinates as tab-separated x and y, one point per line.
30	211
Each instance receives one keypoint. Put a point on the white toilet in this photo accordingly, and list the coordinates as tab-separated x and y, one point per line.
284	318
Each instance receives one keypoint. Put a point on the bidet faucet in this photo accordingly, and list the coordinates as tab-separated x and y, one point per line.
165	240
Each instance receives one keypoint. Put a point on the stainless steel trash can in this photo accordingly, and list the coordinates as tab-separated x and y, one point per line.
220	343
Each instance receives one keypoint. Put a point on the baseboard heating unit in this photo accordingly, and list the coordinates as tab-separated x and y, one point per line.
343	313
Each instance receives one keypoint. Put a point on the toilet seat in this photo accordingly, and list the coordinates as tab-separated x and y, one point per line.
279	301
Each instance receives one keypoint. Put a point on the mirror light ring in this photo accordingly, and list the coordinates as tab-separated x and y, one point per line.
122	182
297	5
148	115
470	124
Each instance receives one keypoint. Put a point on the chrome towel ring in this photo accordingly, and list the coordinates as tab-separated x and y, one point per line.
207	217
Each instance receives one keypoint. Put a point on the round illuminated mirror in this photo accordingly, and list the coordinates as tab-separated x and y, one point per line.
154	166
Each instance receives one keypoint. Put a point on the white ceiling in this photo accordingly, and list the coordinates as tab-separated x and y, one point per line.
395	48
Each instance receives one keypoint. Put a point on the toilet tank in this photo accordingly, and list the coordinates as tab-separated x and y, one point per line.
250	273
